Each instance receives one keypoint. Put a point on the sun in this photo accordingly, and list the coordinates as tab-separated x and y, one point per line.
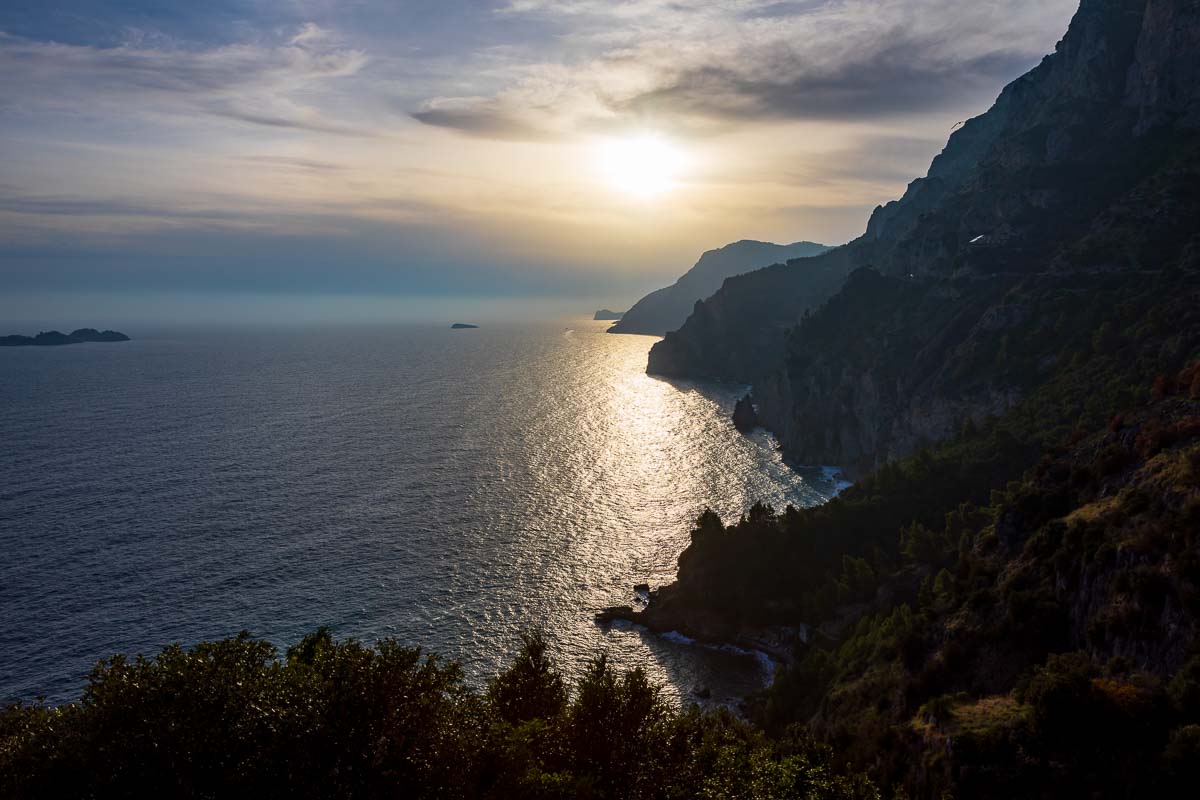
644	166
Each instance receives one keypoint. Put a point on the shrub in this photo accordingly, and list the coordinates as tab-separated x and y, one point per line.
340	719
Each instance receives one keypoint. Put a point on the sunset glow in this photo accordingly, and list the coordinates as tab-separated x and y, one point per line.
216	154
643	166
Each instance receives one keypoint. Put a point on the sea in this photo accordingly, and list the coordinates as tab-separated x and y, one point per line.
443	488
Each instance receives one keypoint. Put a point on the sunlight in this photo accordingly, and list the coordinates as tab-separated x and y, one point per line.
644	166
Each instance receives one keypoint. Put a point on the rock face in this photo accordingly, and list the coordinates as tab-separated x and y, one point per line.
54	338
892	364
604	315
666	309
1164	81
1085	166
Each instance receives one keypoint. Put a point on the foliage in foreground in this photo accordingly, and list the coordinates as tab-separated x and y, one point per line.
341	719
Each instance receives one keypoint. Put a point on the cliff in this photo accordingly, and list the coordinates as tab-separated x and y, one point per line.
666	309
1085	166
1005	604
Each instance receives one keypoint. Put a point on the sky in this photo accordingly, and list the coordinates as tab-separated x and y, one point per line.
322	158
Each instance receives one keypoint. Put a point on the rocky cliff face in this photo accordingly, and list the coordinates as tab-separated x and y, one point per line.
666	309
1164	82
1084	166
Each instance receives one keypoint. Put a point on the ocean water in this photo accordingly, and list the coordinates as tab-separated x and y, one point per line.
445	488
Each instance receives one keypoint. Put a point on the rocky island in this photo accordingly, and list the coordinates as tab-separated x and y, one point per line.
604	315
54	338
462	326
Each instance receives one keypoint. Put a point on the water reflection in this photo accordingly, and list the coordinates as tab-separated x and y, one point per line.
653	454
447	490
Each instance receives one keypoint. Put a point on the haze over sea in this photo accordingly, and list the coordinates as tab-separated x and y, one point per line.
446	488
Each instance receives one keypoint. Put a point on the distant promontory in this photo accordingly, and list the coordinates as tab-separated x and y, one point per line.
604	315
462	326
52	338
667	309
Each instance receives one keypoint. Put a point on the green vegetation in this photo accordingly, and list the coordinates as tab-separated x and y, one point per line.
1039	640
330	719
802	565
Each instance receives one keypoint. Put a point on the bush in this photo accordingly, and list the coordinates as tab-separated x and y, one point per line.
340	719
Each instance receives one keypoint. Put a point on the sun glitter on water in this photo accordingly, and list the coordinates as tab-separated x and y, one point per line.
643	166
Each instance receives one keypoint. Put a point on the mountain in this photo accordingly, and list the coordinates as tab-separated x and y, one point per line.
1005	605
666	309
1084	167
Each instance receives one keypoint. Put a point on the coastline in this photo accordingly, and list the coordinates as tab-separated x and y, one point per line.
669	617
664	616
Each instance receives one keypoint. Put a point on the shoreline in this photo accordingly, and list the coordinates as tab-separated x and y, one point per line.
773	646
665	616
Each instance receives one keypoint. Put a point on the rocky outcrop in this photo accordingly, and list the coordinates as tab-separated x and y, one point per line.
605	315
666	309
745	416
780	643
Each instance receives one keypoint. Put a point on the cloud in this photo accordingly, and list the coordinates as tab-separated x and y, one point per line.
689	66
91	207
205	145
248	82
896	77
485	117
291	162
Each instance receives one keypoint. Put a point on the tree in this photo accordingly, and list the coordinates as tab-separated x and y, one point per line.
530	688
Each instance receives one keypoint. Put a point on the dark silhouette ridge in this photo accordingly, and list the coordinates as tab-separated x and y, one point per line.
604	315
462	326
666	309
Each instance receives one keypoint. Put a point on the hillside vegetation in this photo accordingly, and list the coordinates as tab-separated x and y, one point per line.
329	719
1005	605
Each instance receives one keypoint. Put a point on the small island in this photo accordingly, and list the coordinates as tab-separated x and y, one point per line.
604	315
54	338
462	326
